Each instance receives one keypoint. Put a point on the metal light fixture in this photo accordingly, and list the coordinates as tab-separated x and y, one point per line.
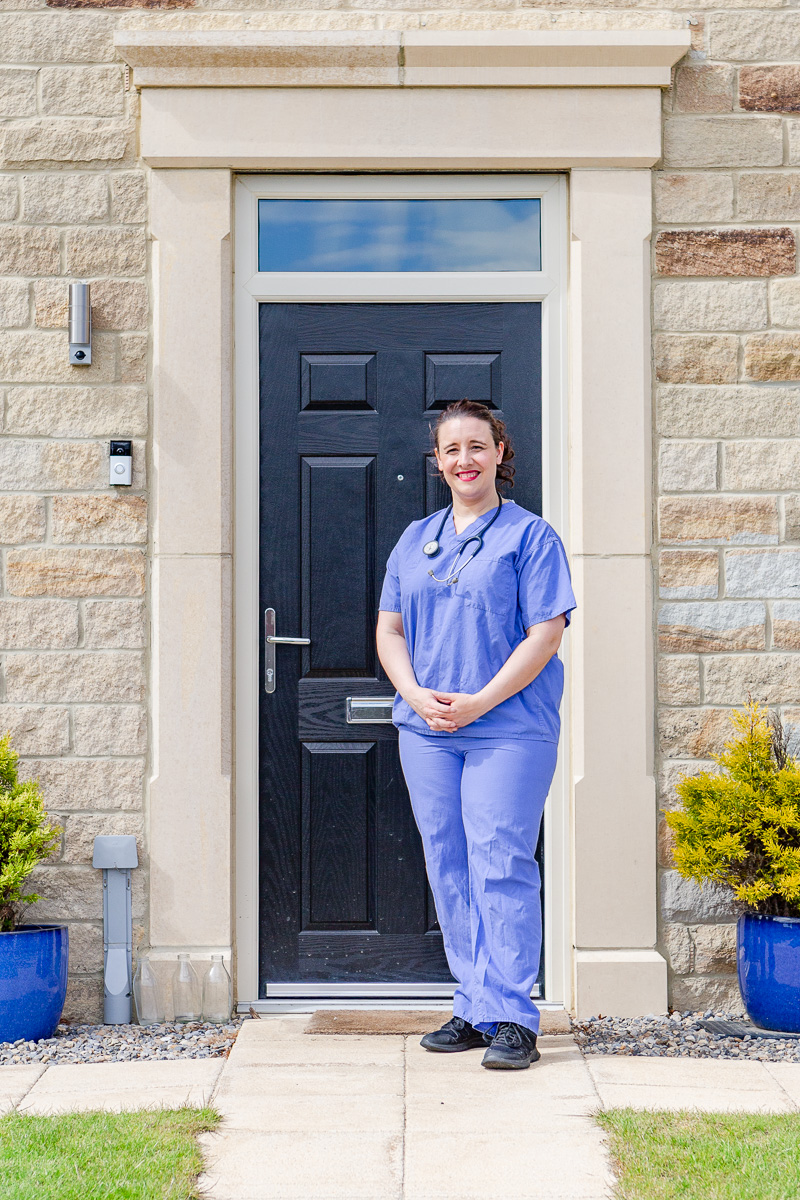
80	325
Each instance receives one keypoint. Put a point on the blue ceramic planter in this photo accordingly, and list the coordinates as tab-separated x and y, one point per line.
768	965
33	981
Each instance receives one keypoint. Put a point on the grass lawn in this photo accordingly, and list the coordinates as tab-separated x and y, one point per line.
103	1156
705	1156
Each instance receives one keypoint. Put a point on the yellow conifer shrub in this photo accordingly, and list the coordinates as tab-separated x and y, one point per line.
741	826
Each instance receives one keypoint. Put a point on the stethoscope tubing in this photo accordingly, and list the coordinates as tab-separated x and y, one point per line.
432	548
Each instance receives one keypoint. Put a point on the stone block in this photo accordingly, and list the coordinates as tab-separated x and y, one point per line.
99	519
793	132
51	38
82	829
770	678
52	465
687	466
763	573
703	626
17	93
688	574
117	251
75	572
116	304
75	784
714	949
766	197
85	947
700	358
770	89
755	36
109	729
82	91
773	356
13	303
22	519
786	625
9	198
698	993
784	302
42	729
693	197
723	142
718	520
68	893
693	732
114	624
34	357
740	411
46	142
791	510
38	624
684	900
726	252
678	946
665	845
670	774
689	307
77	411
129	197
83	677
28	250
679	679
760	466
700	88
133	349
84	1002
65	198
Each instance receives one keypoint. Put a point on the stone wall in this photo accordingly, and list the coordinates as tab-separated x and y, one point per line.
726	316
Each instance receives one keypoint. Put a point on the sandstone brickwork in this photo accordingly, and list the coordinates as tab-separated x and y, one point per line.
726	355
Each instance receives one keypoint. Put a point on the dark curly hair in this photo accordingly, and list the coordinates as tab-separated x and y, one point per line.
471	408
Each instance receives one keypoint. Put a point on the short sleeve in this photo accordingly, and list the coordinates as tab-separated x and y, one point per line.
545	584
390	592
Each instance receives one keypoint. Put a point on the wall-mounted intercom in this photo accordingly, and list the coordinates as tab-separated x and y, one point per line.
120	464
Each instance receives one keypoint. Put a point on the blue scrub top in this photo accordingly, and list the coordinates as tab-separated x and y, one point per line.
459	636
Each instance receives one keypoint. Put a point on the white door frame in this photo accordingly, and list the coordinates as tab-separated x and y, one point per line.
547	286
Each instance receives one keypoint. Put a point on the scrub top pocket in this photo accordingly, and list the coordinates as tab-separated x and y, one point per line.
489	584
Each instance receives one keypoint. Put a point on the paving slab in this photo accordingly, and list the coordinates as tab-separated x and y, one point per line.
256	1046
787	1076
16	1082
118	1087
304	1166
707	1085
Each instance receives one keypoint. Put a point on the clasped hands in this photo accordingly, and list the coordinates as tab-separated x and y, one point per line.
446	711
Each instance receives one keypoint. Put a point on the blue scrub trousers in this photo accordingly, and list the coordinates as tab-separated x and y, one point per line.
478	804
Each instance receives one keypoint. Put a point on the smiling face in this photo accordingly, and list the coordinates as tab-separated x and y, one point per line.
468	459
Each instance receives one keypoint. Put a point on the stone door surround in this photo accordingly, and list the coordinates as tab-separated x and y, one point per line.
586	102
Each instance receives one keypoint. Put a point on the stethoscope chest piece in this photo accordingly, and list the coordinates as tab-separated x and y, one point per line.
431	548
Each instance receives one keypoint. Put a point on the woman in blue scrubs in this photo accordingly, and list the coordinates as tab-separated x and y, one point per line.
468	633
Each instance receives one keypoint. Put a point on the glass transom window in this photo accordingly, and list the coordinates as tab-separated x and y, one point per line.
399	235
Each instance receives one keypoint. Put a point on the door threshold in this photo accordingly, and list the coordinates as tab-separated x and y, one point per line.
307	1005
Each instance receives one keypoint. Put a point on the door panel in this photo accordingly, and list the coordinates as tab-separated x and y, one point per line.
348	395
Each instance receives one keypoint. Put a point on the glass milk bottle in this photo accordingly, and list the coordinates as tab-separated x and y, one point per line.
147	994
185	992
217	992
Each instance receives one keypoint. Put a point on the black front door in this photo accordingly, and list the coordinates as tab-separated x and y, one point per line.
348	395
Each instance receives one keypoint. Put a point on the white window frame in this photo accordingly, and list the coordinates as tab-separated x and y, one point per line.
251	287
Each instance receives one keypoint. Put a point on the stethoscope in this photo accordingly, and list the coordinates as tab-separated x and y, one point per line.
432	548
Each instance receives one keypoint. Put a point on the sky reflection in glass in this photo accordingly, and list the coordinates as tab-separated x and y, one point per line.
399	235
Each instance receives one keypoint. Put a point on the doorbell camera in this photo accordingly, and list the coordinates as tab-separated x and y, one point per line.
120	463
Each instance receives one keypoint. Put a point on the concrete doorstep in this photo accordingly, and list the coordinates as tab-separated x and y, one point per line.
367	1117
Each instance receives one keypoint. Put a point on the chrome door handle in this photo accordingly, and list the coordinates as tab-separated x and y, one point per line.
270	642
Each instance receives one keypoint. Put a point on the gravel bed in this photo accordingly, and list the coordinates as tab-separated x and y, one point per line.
124	1043
678	1036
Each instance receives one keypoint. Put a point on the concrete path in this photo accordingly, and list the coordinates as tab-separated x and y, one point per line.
315	1117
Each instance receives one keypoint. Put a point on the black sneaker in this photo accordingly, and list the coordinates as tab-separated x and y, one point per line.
456	1034
513	1048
